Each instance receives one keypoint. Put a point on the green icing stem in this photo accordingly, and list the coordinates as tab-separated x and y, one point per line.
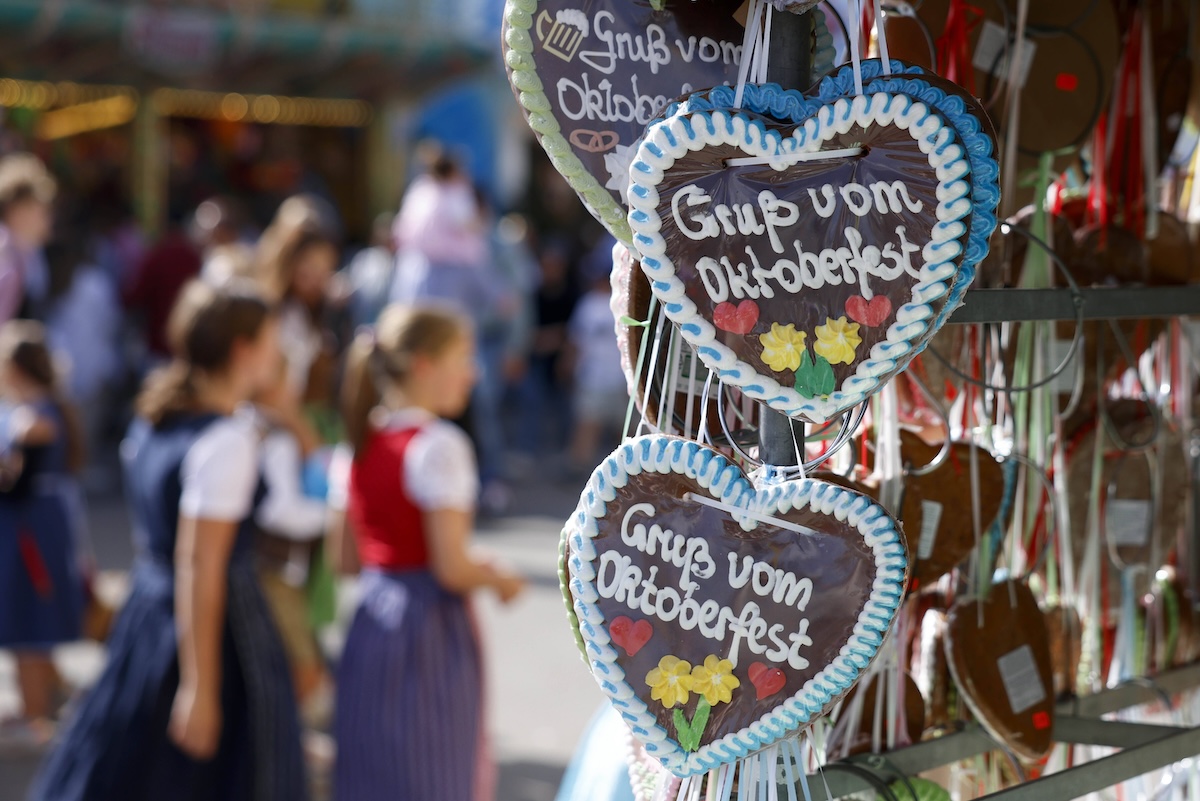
565	589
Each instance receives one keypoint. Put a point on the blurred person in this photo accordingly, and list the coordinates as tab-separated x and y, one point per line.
27	192
117	242
439	214
195	701
83	322
543	394
216	228
295	263
168	266
291	527
41	587
600	397
409	720
367	280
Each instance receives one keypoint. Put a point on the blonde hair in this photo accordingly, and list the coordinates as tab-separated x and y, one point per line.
383	358
24	177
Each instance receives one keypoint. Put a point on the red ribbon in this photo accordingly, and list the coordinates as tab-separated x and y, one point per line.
35	566
1125	172
954	47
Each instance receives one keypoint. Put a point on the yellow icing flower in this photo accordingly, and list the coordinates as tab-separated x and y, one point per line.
715	680
670	682
837	340
782	347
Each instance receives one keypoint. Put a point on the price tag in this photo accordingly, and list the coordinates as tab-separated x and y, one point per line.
1127	522
1064	382
1022	683
991	53
931	518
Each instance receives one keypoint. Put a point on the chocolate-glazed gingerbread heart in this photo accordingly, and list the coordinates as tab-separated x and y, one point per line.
763	610
1065	633
591	74
849	261
947	532
999	655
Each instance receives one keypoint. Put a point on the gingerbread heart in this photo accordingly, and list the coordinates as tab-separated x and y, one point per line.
738	582
590	75
999	655
885	217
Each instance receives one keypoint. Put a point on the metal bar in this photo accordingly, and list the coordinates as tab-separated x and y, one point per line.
790	65
1100	773
1112	733
1124	696
1099	303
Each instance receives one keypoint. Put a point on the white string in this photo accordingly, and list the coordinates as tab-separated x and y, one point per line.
881	37
749	40
764	48
855	34
796	158
736	511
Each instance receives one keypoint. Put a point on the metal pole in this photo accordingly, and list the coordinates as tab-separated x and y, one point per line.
790	66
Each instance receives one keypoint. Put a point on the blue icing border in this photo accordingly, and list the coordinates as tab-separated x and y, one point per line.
726	481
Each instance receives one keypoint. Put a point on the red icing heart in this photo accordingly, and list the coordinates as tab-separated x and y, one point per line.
739	319
767	681
871	314
629	635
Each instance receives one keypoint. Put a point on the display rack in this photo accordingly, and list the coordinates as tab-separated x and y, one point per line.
1098	303
1078	722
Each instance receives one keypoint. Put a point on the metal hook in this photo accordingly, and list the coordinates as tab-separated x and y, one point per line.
947	444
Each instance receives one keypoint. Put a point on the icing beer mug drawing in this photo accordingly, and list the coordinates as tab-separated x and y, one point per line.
566	32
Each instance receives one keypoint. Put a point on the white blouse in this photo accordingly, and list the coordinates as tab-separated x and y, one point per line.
220	471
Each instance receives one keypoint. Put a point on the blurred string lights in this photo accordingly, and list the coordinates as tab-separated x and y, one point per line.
69	108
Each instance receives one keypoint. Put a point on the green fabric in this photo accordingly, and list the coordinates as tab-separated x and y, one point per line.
322	592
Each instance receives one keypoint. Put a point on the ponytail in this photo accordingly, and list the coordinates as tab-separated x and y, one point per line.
76	439
383	358
168	391
360	395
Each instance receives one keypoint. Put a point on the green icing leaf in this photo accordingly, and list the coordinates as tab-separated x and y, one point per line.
823	382
699	722
804	375
683	731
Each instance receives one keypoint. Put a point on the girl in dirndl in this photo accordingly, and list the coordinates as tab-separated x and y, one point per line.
195	702
41	587
409	705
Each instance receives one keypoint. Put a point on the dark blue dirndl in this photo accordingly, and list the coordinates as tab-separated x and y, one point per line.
116	748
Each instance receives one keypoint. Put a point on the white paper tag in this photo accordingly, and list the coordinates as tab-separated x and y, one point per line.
690	372
1192	327
1022	683
1127	522
991	55
1064	382
931	518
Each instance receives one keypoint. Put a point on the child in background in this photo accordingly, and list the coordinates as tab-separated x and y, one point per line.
292	525
601	397
41	589
195	702
409	707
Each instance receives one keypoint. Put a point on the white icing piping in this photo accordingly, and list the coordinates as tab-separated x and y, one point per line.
796	158
672	139
712	472
737	512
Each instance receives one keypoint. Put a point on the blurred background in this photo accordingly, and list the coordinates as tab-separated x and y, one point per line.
175	130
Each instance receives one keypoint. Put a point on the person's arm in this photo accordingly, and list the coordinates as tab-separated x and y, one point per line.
219	476
442	479
448	533
286	511
341	546
201	566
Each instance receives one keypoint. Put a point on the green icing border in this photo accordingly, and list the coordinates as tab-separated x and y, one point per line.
531	94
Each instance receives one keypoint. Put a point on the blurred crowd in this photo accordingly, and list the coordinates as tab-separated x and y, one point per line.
91	311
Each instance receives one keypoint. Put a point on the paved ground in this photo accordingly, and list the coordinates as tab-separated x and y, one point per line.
540	695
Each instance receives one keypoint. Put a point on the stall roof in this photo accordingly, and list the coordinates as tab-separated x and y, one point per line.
201	48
